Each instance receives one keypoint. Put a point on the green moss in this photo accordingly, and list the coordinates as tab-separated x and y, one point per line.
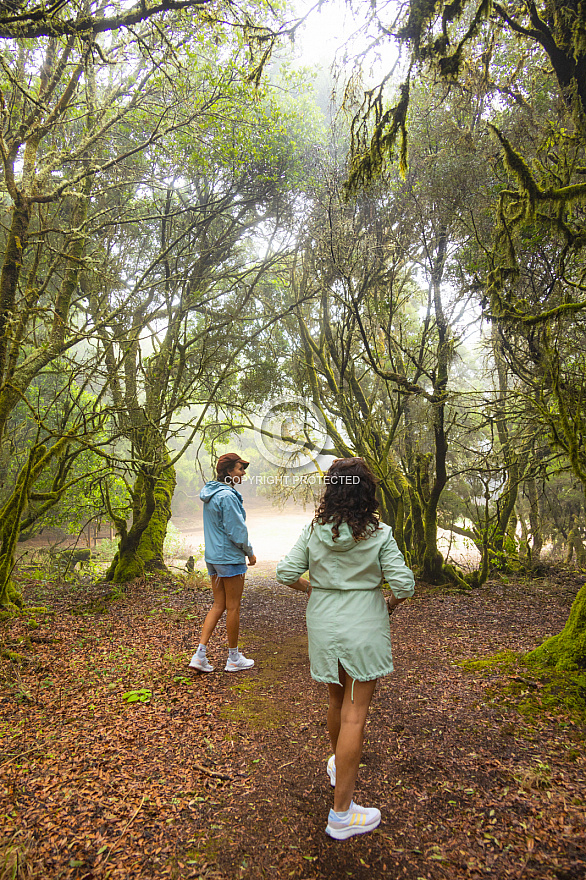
502	659
14	657
11	599
555	695
259	712
539	695
255	705
96	606
150	548
128	566
567	650
12	602
243	686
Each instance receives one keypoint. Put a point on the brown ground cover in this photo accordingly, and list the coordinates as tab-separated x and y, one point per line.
223	776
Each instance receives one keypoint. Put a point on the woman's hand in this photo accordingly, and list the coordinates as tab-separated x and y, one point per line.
301	584
304	585
252	560
392	603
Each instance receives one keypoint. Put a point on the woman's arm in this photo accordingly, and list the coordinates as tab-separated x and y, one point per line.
301	584
234	524
291	568
399	578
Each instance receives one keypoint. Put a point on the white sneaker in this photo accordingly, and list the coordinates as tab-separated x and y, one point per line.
237	665
359	820
202	664
331	768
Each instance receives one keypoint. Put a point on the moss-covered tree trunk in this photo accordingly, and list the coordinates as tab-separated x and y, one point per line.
141	546
515	466
567	650
127	564
395	501
575	545
10	517
13	511
433	561
150	548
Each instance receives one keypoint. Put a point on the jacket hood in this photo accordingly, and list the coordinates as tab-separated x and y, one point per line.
345	540
212	488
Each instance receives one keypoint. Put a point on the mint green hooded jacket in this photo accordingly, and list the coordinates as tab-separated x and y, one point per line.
347	617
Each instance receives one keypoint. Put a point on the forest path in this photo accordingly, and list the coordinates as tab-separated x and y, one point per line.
223	775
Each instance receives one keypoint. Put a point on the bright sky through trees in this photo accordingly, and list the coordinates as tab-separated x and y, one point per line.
343	37
325	32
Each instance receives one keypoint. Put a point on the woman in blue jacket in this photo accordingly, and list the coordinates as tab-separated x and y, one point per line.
348	551
226	548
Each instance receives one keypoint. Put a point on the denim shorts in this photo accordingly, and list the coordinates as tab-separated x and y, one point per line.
226	571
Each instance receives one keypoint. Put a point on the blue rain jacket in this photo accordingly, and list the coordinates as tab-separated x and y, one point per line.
224	524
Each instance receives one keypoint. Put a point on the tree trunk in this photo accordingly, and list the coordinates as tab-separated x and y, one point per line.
575	545
127	564
9	280
534	521
150	548
567	650
433	561
11	515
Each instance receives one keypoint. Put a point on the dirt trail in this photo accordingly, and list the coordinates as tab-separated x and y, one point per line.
223	776
443	761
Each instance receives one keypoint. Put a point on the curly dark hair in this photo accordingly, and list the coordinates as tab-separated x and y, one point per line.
349	496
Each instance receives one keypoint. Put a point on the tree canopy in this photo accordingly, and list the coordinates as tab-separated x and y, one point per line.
184	241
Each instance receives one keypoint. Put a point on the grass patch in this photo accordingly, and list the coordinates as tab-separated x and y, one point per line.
15	853
540	694
548	695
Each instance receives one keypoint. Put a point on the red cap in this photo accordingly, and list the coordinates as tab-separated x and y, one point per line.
228	461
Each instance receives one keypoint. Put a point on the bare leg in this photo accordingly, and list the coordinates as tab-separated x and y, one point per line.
336	692
234	587
216	611
348	748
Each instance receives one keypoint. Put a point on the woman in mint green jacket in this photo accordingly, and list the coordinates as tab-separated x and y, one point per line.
348	552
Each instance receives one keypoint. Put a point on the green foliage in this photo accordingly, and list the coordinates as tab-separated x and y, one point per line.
142	695
156	226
